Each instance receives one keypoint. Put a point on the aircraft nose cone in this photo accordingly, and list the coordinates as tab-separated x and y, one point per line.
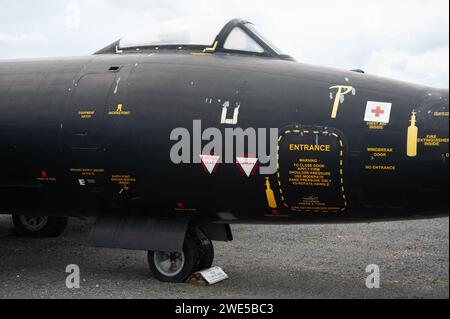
428	151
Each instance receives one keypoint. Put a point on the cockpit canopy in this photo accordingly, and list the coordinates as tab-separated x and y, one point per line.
186	32
238	36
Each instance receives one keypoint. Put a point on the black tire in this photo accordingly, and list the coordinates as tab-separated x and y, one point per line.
207	255
46	227
190	266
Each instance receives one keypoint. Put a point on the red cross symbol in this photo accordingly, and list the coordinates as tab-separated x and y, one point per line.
378	111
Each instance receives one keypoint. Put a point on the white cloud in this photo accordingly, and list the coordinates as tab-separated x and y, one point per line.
405	39
34	37
428	67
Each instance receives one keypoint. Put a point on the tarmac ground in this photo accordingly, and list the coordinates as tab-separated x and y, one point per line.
324	261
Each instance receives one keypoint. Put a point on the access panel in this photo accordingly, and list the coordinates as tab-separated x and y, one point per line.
311	170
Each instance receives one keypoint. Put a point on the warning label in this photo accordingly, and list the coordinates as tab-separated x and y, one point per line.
311	171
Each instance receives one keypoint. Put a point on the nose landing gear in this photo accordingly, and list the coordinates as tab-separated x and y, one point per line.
177	267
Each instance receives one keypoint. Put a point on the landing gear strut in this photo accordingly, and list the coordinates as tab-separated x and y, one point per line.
177	267
39	226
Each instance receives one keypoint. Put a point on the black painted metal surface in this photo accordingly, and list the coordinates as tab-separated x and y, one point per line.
92	136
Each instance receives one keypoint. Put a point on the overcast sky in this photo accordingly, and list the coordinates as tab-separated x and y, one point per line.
402	39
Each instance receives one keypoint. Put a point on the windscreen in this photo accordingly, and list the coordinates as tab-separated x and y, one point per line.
252	28
192	31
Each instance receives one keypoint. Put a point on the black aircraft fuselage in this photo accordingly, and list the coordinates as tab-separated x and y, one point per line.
67	148
92	136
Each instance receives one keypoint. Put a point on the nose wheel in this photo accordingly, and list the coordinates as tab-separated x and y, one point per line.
206	251
177	267
169	264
